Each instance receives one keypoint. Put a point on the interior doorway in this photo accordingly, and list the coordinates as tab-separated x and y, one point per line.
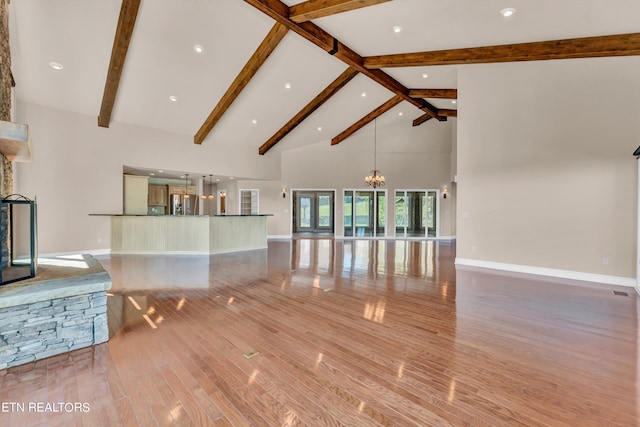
313	212
222	202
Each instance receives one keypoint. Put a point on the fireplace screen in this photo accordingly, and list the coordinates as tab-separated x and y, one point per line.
19	253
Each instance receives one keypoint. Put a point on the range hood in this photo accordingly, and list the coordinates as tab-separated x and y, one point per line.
15	143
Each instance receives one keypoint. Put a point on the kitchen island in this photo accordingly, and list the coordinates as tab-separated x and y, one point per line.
187	234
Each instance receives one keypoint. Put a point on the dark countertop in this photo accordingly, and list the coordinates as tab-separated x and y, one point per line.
180	216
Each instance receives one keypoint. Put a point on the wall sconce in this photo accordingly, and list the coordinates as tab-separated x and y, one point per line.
445	192
284	192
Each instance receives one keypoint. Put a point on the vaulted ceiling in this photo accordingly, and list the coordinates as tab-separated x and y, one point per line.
278	75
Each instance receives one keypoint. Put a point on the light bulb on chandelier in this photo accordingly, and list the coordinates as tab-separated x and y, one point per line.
211	196
376	179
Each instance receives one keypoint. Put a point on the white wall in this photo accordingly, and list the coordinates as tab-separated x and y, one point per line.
77	170
271	202
545	172
409	158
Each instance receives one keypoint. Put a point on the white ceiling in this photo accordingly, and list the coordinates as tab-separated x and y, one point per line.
161	60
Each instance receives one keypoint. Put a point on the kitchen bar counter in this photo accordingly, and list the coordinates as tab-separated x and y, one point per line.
187	234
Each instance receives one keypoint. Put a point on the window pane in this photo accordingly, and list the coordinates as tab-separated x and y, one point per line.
362	210
430	211
381	219
382	202
400	210
348	209
324	210
305	212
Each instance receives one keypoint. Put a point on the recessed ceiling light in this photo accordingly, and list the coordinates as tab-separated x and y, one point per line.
397	29
454	101
287	85
401	113
56	65
230	177
363	94
173	98
198	48
425	75
319	128
152	174
218	180
508	12
160	171
181	176
254	121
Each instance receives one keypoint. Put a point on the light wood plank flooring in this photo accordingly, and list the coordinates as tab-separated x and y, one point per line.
355	333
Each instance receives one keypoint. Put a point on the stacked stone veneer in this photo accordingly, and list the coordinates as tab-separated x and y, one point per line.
34	331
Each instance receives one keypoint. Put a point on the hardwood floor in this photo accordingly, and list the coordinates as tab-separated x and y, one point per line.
353	333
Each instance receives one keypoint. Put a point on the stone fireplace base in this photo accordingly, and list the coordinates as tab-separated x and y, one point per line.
63	308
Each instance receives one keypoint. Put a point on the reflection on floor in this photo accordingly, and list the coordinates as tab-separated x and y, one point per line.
357	333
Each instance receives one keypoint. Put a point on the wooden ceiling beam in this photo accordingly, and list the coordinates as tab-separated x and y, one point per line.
313	9
124	31
448	113
316	35
442	112
270	42
420	120
585	47
367	119
434	93
312	106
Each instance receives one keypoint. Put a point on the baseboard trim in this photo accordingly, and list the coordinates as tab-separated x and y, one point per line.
92	252
279	237
417	239
549	272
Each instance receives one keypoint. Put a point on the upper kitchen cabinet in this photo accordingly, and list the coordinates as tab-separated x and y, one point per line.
136	193
182	189
158	195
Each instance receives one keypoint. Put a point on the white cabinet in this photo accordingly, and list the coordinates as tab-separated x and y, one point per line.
136	193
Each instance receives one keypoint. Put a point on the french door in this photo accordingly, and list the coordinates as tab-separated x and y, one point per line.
313	212
415	213
364	213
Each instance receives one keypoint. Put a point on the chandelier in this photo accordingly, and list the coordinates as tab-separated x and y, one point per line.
204	196
376	179
211	196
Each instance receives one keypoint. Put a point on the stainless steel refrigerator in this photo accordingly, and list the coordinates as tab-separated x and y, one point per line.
183	204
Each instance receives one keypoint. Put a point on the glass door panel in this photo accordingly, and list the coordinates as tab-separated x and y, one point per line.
325	211
431	214
348	213
401	213
304	213
364	213
381	200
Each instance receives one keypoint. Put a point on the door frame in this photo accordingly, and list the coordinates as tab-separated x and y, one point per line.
436	209
293	192
375	211
219	201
